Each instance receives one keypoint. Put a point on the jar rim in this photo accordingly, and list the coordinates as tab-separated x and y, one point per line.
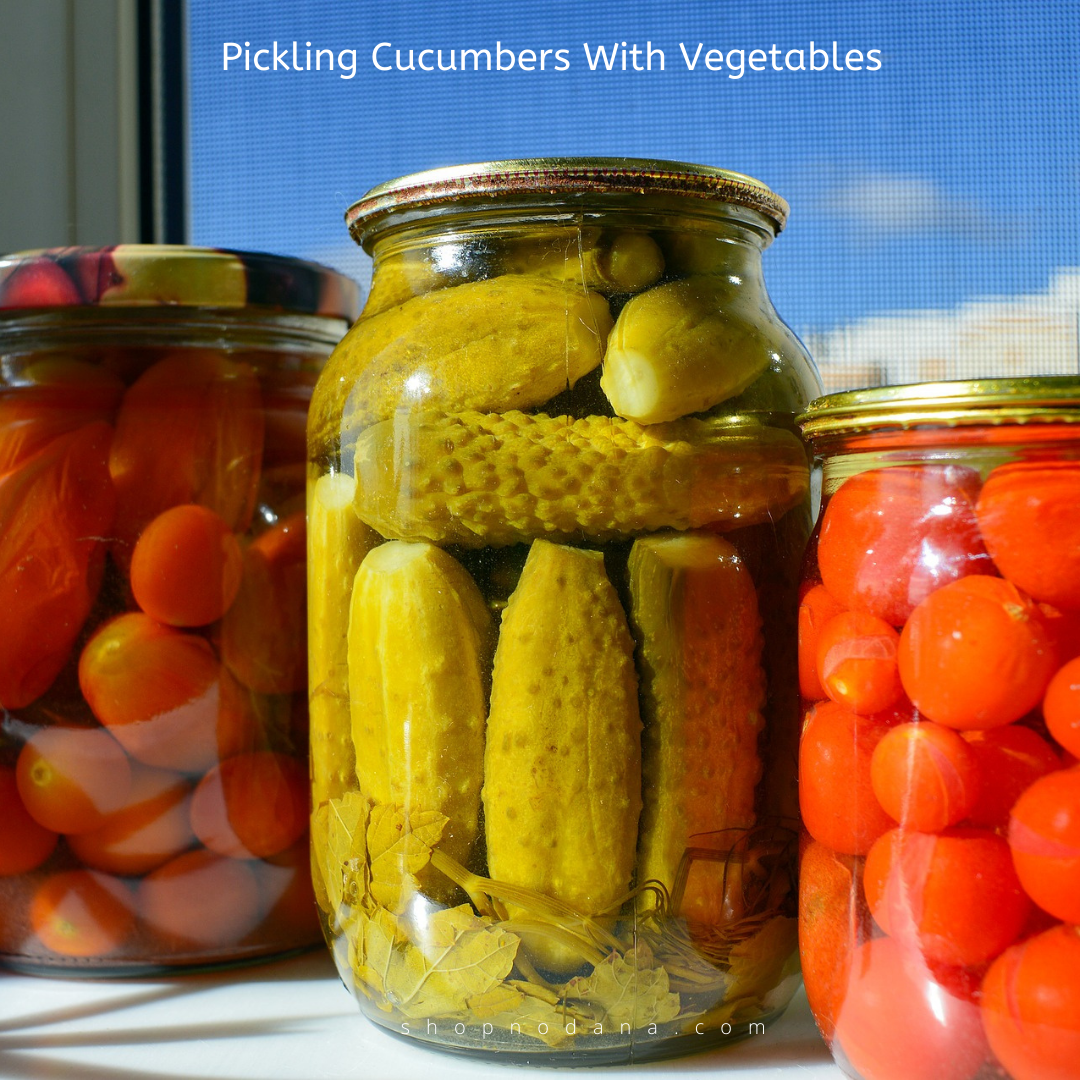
563	176
1033	399
172	275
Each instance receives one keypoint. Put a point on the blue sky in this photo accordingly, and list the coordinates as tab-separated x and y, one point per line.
952	172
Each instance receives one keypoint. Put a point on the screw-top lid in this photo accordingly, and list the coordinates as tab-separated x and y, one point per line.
151	275
1050	399
563	176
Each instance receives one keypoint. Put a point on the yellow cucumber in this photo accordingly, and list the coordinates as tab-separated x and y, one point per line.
420	641
488	480
502	343
562	770
677	349
337	543
695	616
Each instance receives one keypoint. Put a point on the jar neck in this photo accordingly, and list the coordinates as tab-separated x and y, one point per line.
746	232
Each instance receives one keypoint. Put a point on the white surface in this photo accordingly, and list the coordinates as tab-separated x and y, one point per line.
292	1020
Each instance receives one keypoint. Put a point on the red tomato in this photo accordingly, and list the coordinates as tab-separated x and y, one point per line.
925	776
53	511
890	537
185	570
1031	1006
901	1022
835	792
1029	514
1009	760
71	779
1061	707
1044	834
954	896
1064	630
976	654
190	430
856	662
285	886
40	283
286	397
52	397
200	900
264	633
833	922
150	828
82	913
24	843
164	694
818	606
251	805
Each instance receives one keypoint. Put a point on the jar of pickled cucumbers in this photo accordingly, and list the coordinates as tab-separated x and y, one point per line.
557	509
153	704
939	665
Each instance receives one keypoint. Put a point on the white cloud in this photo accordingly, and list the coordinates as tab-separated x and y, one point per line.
891	204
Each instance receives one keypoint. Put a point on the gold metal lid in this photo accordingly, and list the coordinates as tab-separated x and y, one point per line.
173	275
568	175
1045	399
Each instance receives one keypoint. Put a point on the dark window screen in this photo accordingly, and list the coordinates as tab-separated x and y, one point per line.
934	228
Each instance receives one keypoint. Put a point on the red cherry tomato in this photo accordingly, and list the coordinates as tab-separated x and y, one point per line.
901	1021
1044	834
82	913
251	805
890	537
925	776
1061	707
835	793
817	607
200	900
71	779
185	570
49	398
955	896
54	510
164	694
833	921
856	662
40	283
1064	630
24	843
151	827
976	654
264	633
190	430
1029	514
1031	1006
285	886
1009	759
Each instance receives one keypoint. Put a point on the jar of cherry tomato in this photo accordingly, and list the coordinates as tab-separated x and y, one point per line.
939	666
153	725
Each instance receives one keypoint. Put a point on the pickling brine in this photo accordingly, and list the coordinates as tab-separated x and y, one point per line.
557	506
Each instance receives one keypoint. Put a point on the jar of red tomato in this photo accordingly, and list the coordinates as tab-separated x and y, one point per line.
939	667
153	723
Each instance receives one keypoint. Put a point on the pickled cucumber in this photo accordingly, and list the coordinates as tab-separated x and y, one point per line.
679	349
337	543
695	616
420	640
503	343
624	262
483	480
562	770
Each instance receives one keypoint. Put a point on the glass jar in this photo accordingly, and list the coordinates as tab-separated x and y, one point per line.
153	726
557	509
939	664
